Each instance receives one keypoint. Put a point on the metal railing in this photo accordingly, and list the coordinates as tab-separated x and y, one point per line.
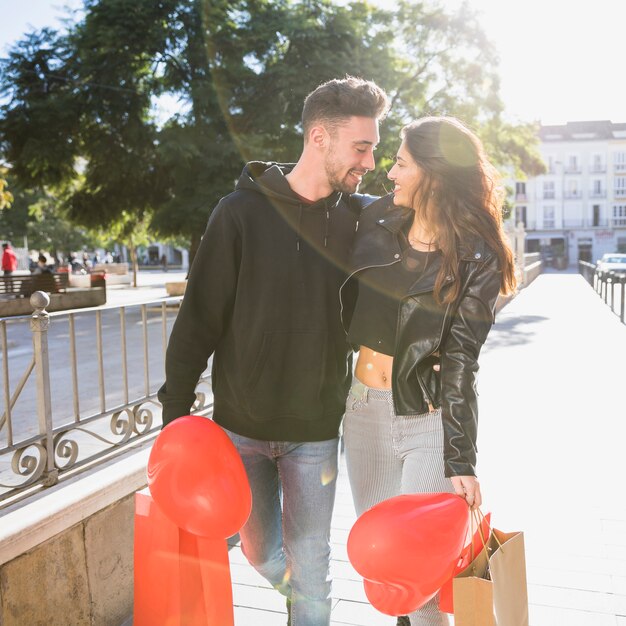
79	388
606	284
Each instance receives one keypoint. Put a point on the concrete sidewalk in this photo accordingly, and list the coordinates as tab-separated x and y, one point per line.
551	463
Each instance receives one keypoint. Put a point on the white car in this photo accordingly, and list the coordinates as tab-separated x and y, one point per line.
613	262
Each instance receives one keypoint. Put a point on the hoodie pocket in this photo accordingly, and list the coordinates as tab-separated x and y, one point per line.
288	374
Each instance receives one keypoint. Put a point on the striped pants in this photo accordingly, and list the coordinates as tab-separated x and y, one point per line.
388	455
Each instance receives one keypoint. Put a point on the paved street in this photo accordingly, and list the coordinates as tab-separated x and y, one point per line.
151	287
552	433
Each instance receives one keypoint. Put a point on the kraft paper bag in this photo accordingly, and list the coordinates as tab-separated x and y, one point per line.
492	590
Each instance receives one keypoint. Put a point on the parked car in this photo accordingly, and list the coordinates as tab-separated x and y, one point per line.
612	262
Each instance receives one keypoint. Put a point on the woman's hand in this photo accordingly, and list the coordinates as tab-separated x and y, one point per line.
468	487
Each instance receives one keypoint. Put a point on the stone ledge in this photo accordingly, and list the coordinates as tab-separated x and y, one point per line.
73	298
25	525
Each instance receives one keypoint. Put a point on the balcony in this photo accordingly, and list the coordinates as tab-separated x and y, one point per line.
597	168
548	195
597	193
572	169
580	222
573	194
521	197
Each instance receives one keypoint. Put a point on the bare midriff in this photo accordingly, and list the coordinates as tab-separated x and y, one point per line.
373	368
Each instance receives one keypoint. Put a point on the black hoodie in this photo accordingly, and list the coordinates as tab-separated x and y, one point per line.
263	298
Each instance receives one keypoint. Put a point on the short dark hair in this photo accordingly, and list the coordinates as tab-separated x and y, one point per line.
334	101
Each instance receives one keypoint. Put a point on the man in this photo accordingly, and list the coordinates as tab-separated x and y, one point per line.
263	297
9	260
42	265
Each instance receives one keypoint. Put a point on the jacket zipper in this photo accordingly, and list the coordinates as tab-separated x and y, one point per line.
345	282
427	398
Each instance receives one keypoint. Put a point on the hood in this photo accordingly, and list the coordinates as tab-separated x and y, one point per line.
269	179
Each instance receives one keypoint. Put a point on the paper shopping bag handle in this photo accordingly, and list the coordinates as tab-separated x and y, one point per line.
478	517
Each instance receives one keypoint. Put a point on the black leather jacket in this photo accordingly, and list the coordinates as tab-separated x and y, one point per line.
455	331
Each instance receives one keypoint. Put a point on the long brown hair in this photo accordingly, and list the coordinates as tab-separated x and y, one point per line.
459	196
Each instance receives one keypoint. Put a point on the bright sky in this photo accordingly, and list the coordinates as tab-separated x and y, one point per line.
559	62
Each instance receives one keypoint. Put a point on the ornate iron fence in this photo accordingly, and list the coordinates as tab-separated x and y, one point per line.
79	387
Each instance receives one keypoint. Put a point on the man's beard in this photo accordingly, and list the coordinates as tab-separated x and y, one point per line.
336	181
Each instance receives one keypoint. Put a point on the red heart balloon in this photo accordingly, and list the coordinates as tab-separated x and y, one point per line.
197	478
406	548
396	599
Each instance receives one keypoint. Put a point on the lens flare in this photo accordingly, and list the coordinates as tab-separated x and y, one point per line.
328	475
457	150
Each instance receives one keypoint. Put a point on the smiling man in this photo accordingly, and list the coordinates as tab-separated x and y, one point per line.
263	298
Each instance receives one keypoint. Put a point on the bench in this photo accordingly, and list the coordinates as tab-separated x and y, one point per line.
111	268
24	286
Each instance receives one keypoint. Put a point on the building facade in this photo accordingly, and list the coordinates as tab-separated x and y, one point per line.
577	209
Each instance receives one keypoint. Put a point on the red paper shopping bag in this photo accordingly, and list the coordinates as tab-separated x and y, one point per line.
180	578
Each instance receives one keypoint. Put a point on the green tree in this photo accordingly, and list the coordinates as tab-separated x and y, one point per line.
81	118
6	197
35	216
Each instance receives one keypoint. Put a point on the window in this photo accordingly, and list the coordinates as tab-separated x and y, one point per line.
619	215
548	190
619	159
572	163
620	187
572	189
520	190
597	163
596	215
596	190
520	215
548	217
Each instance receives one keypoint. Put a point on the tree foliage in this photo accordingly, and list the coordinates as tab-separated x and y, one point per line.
6	197
35	215
81	119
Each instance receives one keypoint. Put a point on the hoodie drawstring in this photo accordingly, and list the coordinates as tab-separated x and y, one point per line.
326	231
299	227
326	226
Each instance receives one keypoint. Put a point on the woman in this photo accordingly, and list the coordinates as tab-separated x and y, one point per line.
429	262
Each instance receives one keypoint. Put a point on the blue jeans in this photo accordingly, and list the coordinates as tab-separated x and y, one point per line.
287	536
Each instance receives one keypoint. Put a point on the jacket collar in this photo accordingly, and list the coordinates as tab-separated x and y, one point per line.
380	247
